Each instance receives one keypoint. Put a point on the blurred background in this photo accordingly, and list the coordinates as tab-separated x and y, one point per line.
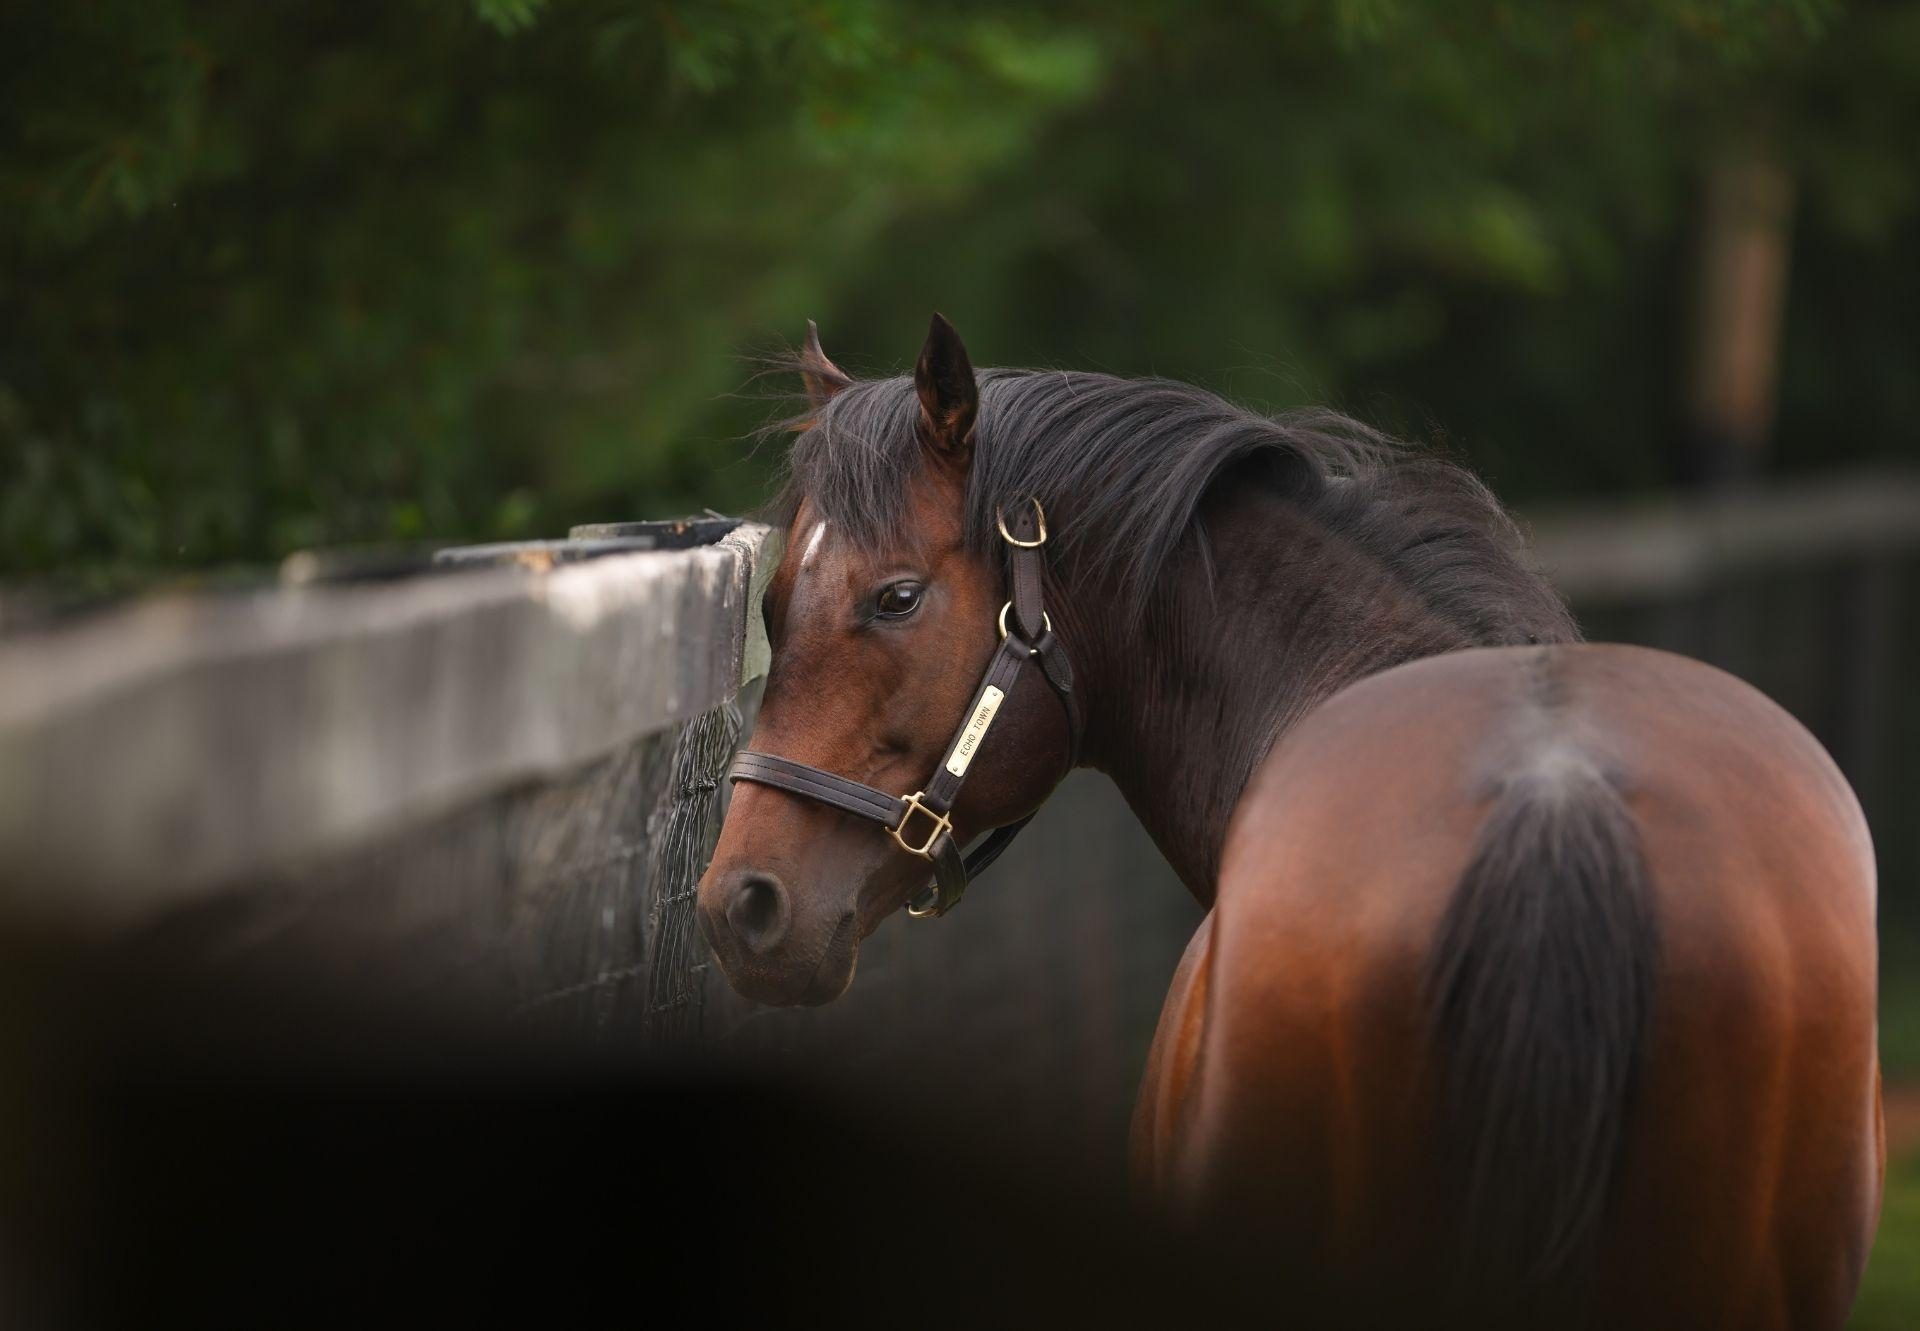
462	271
472	270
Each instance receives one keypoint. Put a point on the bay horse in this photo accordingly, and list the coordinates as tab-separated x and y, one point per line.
1538	979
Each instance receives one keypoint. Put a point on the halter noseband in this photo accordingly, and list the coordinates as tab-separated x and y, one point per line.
1028	638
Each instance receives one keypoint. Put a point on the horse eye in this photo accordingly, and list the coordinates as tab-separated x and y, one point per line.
899	599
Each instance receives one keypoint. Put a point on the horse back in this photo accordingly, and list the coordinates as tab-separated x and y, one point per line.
1524	947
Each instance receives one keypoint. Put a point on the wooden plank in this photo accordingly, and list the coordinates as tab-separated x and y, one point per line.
1678	546
153	752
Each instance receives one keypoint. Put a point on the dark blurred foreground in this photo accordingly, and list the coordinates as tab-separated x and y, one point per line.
190	1151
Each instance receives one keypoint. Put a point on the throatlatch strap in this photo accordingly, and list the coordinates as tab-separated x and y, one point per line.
989	850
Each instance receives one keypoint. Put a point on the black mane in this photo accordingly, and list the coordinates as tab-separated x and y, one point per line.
1122	467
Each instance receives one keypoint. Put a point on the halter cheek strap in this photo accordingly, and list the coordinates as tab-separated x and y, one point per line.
920	823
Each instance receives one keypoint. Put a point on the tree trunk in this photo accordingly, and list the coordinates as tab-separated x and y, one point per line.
1739	298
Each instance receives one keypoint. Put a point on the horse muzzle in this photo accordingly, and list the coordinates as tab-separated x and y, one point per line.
749	920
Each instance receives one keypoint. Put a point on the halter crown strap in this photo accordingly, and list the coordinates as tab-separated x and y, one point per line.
919	823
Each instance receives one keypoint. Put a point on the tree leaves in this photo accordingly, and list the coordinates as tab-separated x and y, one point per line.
464	270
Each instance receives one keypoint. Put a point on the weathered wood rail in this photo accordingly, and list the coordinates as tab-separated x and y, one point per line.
1679	545
496	777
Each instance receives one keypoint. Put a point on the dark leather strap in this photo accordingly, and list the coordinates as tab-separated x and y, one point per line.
1003	671
1059	672
989	850
950	872
1027	576
804	779
950	879
1029	638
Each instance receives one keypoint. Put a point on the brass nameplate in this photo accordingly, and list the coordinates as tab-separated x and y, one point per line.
975	732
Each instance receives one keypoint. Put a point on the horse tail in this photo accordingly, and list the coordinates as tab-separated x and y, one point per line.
1541	988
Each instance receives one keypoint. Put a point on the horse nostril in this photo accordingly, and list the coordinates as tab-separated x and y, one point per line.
757	913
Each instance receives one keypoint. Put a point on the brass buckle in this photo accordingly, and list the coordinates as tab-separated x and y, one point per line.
1011	539
941	823
1046	621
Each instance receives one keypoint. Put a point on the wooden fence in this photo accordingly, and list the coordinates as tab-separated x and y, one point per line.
493	783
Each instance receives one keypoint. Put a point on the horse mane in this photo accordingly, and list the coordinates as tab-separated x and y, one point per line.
1123	467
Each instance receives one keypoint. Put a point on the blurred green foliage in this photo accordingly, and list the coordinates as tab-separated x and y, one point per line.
277	276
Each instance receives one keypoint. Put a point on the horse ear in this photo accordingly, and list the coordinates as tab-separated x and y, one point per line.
949	397
823	378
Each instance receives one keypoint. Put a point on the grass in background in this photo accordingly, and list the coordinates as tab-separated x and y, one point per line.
1890	1299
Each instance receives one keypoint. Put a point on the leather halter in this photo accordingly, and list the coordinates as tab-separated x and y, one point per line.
920	823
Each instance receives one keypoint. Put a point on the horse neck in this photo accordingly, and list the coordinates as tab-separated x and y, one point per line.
1182	710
